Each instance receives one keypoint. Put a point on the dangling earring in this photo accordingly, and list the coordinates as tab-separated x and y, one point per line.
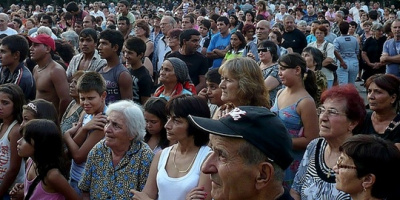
364	189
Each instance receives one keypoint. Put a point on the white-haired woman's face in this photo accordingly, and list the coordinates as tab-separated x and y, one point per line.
116	131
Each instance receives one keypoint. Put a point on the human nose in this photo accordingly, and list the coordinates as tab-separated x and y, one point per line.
168	124
208	166
19	141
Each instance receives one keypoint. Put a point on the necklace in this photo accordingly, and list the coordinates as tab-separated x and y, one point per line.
43	68
190	166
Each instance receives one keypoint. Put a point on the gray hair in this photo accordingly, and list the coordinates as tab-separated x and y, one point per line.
171	20
71	37
301	23
5	16
340	12
133	115
253	156
287	16
44	30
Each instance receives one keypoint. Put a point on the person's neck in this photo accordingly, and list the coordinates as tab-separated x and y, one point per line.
100	110
396	38
183	50
88	56
43	62
173	49
8	120
136	65
169	88
363	195
266	64
186	146
77	100
384	115
225	34
320	42
13	66
112	61
120	150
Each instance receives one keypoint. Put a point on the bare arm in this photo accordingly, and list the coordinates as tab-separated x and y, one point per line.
15	161
308	114
339	57
125	85
149	49
202	83
295	195
216	53
271	83
57	181
80	153
60	82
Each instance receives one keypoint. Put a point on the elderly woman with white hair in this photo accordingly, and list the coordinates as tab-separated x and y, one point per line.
121	161
71	37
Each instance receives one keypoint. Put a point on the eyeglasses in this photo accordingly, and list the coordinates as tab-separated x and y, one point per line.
330	111
340	166
263	50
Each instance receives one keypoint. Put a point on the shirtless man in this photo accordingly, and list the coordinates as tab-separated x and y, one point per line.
51	81
89	59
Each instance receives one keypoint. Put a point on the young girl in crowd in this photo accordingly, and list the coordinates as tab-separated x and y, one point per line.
156	117
11	166
46	172
236	46
39	109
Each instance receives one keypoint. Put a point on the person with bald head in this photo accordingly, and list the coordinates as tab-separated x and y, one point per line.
4	29
262	32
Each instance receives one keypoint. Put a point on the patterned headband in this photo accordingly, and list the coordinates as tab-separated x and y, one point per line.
32	106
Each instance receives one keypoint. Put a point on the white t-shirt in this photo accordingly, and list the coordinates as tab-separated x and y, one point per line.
356	14
9	31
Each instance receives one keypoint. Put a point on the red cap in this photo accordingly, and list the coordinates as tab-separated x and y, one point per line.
44	39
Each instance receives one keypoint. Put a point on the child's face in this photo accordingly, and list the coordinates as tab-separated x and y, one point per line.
92	102
131	57
203	30
27	115
25	149
6	106
214	93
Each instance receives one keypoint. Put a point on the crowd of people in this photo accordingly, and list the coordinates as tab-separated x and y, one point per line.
199	100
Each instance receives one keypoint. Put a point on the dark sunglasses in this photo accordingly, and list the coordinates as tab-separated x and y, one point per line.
263	50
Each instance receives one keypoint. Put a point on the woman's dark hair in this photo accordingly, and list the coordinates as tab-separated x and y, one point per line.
317	56
47	141
242	40
236	20
272	48
292	60
142	24
377	156
185	105
42	109
156	106
389	83
278	36
65	50
252	15
16	95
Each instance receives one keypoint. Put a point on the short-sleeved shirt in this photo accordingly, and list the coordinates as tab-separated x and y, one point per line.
218	42
295	39
104	181
96	64
197	64
142	83
330	53
392	48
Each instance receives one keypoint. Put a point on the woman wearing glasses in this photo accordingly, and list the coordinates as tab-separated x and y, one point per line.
366	166
295	106
268	53
341	111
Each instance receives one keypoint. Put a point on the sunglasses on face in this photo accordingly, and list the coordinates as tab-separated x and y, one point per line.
263	50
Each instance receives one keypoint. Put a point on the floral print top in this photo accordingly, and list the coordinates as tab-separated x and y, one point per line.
104	181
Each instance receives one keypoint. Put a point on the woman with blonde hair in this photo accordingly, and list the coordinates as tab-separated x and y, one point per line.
242	84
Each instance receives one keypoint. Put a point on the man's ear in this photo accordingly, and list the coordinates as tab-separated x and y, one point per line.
265	175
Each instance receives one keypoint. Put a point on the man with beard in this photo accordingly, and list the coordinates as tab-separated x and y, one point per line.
196	62
294	38
89	59
50	79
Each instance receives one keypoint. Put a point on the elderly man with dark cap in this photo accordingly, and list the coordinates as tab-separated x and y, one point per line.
251	150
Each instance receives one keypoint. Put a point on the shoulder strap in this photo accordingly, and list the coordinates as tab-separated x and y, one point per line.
32	188
325	46
393	124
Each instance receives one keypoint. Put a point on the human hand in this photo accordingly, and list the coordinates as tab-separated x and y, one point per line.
196	193
98	122
343	65
139	195
383	58
17	192
225	109
203	94
251	55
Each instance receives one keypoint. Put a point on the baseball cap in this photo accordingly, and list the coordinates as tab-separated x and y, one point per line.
44	39
258	126
161	10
